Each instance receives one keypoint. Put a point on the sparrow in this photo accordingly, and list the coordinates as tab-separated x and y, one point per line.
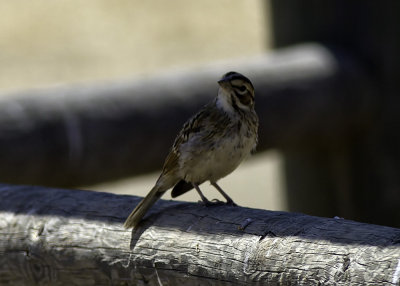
210	145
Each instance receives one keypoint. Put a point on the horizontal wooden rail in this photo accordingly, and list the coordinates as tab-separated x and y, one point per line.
71	237
65	136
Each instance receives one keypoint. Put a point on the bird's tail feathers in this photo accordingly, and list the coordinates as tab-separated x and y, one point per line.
137	214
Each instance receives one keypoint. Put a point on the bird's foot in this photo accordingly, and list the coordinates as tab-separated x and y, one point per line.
212	203
231	203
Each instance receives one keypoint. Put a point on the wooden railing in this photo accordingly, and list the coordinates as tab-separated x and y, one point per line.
72	237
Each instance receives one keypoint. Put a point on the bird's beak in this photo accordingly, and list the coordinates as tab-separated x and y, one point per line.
223	83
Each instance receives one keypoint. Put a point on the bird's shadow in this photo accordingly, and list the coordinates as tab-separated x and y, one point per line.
239	221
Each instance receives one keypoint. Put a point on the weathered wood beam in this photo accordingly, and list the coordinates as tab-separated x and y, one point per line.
64	136
71	237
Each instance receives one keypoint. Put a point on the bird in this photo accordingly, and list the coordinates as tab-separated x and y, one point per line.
211	145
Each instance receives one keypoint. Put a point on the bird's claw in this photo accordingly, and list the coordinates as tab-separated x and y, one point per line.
212	203
231	203
216	202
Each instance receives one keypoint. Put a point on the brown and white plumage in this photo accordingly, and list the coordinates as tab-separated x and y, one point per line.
210	145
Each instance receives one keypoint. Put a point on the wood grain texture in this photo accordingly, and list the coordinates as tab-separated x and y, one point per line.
71	237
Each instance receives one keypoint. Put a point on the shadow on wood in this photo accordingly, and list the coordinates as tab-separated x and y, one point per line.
72	237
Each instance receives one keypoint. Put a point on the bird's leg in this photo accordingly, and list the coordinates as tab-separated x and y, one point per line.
203	198
206	202
229	201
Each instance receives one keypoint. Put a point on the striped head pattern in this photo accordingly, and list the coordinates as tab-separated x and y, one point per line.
236	91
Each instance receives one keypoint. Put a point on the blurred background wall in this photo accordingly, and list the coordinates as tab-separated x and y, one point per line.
46	43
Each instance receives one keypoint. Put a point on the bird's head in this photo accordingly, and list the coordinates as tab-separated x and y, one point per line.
235	92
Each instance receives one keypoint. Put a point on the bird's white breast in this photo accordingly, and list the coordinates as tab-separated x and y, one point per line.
210	163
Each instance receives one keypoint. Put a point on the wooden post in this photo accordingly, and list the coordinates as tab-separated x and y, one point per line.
72	237
358	171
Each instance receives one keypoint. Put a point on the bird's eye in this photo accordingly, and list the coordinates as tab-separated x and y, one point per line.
242	88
